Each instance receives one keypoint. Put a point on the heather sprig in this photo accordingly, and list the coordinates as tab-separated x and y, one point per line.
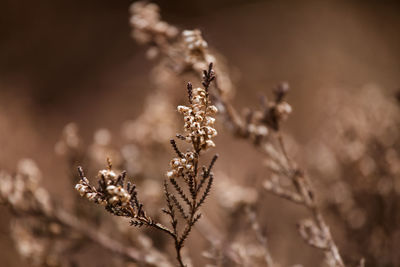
191	184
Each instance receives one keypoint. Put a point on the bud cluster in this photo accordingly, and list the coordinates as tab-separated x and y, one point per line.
194	40
110	191
182	167
283	110
22	190
147	23
199	121
196	49
85	190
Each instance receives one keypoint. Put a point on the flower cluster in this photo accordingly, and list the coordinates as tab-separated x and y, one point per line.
110	192
22	191
199	121
194	40
182	166
280	109
283	110
70	140
147	23
196	49
258	123
35	231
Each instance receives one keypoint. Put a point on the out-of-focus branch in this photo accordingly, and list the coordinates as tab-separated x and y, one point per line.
71	222
262	239
27	200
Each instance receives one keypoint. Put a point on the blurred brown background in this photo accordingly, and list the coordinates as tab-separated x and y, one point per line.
63	61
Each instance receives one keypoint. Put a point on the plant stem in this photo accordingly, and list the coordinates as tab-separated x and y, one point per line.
178	255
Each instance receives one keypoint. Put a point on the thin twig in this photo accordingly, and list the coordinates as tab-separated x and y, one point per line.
260	236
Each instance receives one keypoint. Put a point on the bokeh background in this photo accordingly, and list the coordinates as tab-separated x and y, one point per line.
74	61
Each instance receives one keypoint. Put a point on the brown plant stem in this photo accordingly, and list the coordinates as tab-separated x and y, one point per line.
262	239
303	187
101	239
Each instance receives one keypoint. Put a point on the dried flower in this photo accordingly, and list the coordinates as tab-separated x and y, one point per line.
121	199
198	117
147	24
194	40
